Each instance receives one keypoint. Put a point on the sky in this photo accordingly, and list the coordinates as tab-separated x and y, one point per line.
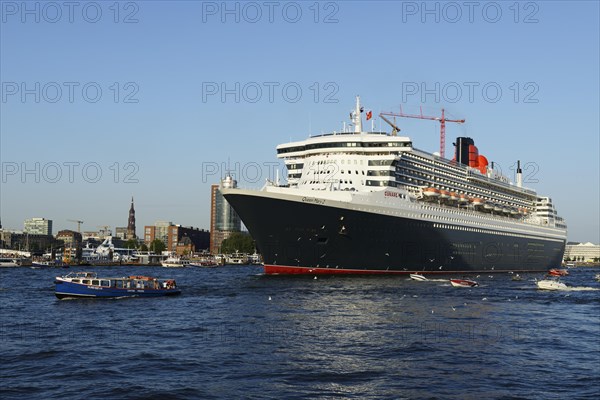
102	101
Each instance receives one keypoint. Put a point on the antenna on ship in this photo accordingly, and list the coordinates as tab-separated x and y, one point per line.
356	117
519	174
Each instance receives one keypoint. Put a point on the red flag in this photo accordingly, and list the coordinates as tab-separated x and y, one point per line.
369	115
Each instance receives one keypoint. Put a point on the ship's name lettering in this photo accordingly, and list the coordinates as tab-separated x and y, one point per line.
390	194
313	200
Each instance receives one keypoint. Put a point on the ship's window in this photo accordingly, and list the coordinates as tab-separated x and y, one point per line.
104	283
75	280
95	282
86	281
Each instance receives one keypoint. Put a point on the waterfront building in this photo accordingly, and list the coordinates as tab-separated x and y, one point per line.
38	226
160	231
121	232
172	235
586	252
97	235
195	239
18	240
131	223
223	218
70	238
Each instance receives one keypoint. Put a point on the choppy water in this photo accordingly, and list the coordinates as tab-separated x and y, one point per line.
235	333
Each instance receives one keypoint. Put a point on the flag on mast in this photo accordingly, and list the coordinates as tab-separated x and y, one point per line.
369	115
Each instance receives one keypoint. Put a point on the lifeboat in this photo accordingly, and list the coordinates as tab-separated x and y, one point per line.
463	199
477	202
514	211
453	196
558	272
444	195
431	193
488	206
506	210
497	208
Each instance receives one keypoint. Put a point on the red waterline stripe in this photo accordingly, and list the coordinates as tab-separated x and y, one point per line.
296	270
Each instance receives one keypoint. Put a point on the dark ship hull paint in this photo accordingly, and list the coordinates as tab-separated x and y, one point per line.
305	238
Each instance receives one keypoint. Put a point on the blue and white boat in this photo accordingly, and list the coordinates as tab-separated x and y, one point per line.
88	284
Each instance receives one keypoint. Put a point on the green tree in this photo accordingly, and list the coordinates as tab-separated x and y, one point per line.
144	247
131	244
157	246
238	241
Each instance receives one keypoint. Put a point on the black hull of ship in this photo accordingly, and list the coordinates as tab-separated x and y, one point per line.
304	238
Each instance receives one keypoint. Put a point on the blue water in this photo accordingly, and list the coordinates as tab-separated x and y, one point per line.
235	334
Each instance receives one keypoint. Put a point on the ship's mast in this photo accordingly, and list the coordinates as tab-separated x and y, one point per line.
357	118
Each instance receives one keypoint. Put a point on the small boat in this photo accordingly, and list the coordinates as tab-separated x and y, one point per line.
418	277
175	262
477	202
8	262
254	258
597	277
463	283
89	285
236	259
48	263
551	284
517	277
203	264
558	272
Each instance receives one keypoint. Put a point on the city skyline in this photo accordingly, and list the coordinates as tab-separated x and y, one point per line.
139	103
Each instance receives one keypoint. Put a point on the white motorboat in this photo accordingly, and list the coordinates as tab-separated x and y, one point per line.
8	262
550	284
463	283
418	277
175	262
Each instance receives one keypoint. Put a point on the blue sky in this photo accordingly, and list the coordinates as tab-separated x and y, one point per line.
162	129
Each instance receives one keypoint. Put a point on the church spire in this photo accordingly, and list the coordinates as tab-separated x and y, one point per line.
131	222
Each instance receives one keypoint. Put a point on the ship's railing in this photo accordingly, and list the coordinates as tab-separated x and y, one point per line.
527	219
476	176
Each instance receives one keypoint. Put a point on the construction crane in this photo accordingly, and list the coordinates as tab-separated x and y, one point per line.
395	129
78	224
441	119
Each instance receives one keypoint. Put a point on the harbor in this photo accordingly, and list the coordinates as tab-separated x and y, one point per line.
322	200
367	337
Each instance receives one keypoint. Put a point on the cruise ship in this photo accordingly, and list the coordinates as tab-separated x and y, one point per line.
359	202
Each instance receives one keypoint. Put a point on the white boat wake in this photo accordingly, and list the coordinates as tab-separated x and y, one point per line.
579	289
